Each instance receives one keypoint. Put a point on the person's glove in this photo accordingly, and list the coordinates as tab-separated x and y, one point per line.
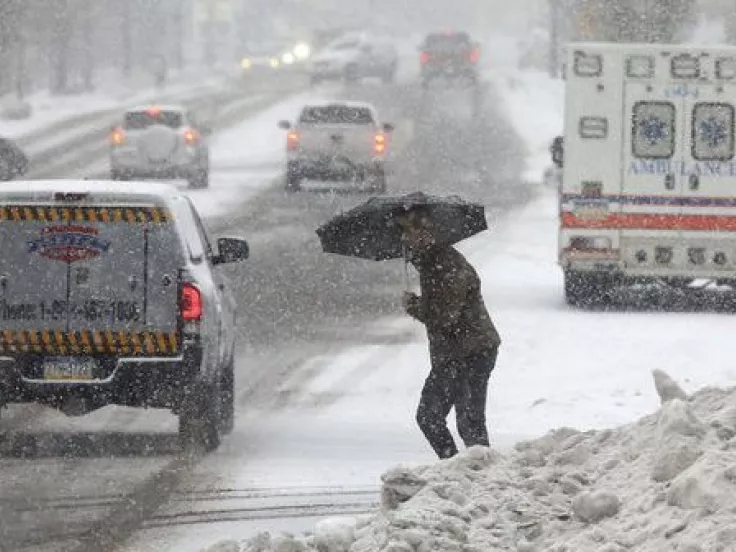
412	304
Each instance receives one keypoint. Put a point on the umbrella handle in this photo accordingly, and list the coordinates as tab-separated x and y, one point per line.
407	280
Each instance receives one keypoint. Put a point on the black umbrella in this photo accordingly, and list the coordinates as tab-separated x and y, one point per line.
369	230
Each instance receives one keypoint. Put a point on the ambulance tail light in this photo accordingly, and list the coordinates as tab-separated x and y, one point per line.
590	243
591	188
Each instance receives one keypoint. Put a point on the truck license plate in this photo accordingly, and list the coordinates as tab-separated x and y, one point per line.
69	368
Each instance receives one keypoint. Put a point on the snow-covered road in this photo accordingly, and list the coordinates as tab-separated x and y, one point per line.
348	414
331	373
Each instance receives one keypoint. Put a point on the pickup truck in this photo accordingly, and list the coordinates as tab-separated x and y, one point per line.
337	140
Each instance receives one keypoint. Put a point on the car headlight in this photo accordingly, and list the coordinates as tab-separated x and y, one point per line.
274	63
245	63
302	50
288	58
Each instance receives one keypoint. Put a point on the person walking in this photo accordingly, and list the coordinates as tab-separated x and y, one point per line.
463	340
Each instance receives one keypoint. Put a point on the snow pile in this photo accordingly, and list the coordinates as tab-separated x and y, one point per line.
664	483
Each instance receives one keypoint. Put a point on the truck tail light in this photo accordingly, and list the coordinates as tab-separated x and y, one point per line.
424	58
474	56
292	140
191	303
191	137
379	144
117	137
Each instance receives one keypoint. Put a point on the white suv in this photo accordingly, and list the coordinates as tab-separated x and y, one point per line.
353	57
160	142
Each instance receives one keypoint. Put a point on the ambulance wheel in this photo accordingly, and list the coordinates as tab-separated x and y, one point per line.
199	420
588	289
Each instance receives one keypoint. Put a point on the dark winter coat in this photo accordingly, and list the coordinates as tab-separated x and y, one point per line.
451	305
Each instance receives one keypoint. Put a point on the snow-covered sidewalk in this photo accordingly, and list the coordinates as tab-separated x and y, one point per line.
48	109
664	483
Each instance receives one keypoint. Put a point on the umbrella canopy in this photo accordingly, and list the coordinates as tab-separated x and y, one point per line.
369	231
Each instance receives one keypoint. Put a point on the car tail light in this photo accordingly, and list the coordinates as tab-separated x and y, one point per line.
191	303
292	140
424	58
117	137
474	56
379	144
191	137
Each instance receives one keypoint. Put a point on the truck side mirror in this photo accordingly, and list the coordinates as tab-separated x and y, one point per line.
231	250
557	149
284	125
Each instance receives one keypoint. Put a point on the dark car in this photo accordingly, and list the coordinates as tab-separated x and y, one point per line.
13	162
450	56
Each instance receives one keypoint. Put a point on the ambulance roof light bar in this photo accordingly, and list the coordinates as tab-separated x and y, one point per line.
640	67
685	66
587	65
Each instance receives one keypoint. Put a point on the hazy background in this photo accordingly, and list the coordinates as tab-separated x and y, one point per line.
70	45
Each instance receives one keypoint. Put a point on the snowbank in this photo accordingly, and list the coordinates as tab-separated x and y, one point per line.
664	483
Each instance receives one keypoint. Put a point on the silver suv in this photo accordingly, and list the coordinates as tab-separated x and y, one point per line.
160	142
111	293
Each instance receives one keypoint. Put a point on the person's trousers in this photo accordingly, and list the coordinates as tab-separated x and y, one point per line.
461	383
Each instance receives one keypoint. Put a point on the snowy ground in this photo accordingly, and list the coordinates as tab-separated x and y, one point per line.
49	109
558	366
350	412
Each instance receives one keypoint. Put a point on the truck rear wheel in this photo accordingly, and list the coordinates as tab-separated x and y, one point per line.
588	289
293	178
227	398
377	181
199	420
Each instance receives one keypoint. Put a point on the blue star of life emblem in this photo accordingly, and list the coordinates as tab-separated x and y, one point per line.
653	129
713	132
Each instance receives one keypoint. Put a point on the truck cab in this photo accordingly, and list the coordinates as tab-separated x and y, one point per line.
648	187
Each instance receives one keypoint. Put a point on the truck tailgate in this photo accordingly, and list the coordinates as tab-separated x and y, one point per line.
334	141
90	280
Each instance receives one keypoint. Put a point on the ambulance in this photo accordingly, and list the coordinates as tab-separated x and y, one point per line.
648	188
